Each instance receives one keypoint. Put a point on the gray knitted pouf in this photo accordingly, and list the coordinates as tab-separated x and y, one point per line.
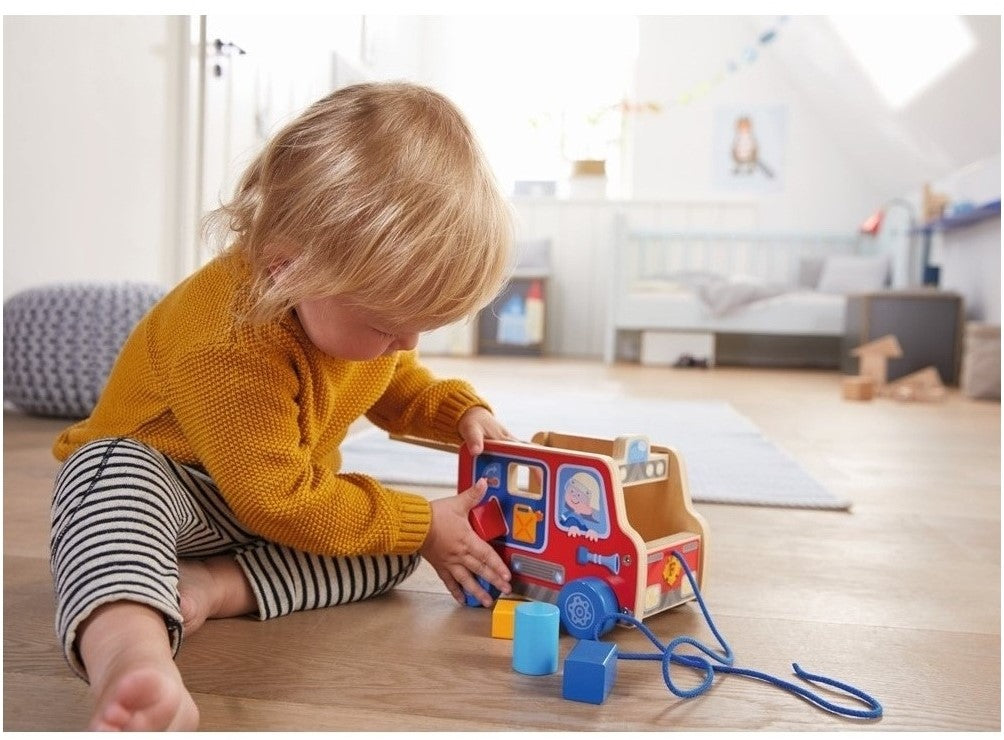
60	342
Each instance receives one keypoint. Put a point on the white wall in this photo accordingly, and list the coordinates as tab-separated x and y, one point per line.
504	70
90	149
93	136
949	124
670	152
673	150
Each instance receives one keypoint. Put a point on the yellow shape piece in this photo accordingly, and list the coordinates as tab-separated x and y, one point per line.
672	571
524	523
504	617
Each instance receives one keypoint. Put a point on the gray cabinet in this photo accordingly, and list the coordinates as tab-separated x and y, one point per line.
927	322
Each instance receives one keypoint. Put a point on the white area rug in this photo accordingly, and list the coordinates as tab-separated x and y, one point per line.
727	459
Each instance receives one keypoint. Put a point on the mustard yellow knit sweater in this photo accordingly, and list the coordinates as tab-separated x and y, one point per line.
263	412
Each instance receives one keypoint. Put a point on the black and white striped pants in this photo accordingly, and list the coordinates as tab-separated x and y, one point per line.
122	516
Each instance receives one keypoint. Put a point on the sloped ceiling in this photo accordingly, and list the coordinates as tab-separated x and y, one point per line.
954	122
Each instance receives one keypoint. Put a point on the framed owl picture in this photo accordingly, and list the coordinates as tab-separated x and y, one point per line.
748	148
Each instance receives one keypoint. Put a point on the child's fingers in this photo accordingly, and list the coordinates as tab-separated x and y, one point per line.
498	431
486	563
476	440
484	554
474	588
476	492
502	432
451	584
497	575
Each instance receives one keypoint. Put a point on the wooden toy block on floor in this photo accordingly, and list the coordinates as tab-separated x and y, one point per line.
873	357
487	520
503	616
535	638
471	600
923	385
859	388
590	671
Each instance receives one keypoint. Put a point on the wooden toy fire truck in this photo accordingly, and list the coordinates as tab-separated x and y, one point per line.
590	524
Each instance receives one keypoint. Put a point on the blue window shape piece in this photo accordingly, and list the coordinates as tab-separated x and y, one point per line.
637	451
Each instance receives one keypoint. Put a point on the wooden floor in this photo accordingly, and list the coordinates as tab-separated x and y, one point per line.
900	597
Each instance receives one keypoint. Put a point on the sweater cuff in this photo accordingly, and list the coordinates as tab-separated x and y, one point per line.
415	515
458	402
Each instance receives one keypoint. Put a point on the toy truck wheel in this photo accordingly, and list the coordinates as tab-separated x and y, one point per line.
584	605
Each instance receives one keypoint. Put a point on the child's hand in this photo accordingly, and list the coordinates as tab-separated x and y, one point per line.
456	552
479	424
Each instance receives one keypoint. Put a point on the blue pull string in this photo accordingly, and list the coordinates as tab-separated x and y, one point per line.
723	662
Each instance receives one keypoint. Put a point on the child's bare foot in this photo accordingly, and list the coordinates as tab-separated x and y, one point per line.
146	699
136	684
213	589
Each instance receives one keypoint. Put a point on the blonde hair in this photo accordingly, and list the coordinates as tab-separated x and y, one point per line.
378	193
589	485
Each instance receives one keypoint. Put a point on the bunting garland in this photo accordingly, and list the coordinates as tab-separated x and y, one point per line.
589	133
744	59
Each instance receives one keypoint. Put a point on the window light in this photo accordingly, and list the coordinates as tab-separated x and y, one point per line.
904	54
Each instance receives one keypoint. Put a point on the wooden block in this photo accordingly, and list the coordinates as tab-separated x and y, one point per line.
590	671
487	520
923	385
859	388
535	638
503	616
873	357
631	449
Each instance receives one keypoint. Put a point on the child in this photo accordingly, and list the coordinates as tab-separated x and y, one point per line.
206	482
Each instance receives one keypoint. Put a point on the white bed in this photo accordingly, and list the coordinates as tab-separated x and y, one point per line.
785	289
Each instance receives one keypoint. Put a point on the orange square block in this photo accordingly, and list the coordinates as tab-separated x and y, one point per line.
504	617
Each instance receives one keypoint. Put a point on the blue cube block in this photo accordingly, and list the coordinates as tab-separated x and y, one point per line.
470	600
590	671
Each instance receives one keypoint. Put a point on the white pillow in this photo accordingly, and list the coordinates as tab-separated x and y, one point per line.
848	273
